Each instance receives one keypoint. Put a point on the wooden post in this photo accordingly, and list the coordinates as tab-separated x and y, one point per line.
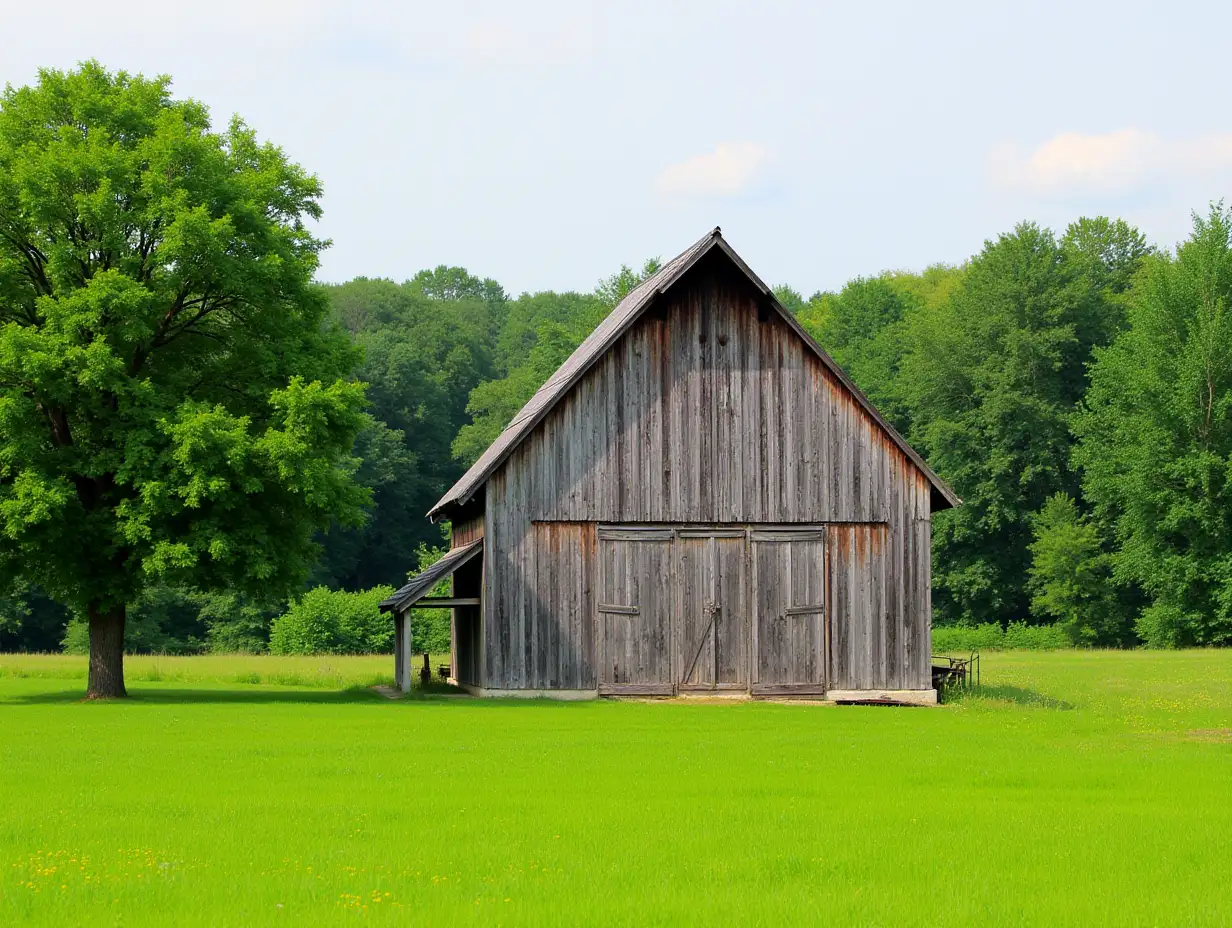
402	650
398	649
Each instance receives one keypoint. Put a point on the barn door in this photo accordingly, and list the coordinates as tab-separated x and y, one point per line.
711	608
789	632
635	611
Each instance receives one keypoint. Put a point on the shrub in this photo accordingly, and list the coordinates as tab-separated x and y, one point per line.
325	621
1165	626
76	637
992	637
1037	637
986	637
234	625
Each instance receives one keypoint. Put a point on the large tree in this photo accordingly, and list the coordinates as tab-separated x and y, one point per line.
1156	439
992	379
172	406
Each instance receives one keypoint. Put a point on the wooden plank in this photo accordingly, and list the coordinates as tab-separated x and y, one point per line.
712	688
690	557
525	651
546	565
447	602
893	580
636	689
786	535
582	661
399	668
611	533
839	603
619	610
788	689
731	632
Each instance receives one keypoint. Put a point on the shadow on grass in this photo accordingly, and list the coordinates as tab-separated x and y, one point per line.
1018	695
255	695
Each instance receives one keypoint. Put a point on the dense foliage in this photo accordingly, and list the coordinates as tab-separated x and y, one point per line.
172	406
1156	440
325	621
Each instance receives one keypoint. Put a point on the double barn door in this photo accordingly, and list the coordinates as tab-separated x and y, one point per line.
694	609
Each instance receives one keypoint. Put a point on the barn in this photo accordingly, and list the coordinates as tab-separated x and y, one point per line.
699	501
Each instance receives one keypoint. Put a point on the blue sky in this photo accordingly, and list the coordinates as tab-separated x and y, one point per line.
544	144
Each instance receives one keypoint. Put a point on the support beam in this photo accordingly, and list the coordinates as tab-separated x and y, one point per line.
402	650
446	602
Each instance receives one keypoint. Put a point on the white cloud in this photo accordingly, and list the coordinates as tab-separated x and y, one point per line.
730	169
1122	162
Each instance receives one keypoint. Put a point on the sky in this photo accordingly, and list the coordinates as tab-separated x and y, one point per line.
545	144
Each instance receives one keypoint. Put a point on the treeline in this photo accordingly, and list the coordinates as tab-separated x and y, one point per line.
1074	389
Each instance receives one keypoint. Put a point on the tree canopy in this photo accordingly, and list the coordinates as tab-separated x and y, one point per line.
172	404
1156	439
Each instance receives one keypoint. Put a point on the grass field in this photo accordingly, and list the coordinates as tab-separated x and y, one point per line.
1080	788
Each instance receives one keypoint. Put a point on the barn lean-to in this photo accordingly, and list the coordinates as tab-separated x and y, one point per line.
698	501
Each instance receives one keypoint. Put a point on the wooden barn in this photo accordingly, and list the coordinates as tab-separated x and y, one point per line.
698	501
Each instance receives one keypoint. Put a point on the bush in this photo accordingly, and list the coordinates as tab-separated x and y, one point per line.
234	625
325	621
1165	626
1036	637
986	637
992	637
76	637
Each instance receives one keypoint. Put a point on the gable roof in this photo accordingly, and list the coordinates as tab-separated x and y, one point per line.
617	322
421	584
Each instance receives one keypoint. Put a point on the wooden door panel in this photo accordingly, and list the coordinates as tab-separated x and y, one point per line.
789	611
696	608
712	616
635	608
732	620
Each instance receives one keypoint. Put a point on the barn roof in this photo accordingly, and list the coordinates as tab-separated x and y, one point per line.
421	584
617	322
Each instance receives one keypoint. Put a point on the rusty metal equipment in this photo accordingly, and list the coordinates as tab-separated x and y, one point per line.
956	672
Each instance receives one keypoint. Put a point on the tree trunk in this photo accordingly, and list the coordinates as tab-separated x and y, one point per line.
106	653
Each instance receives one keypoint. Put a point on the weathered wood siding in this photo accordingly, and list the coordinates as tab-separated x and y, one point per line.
708	410
466	531
466	622
466	629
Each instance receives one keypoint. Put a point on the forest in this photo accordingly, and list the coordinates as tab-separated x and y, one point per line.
193	426
1075	389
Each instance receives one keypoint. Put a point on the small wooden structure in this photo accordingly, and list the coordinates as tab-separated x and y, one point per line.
699	500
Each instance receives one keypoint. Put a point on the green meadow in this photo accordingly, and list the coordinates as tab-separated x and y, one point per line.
1075	788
